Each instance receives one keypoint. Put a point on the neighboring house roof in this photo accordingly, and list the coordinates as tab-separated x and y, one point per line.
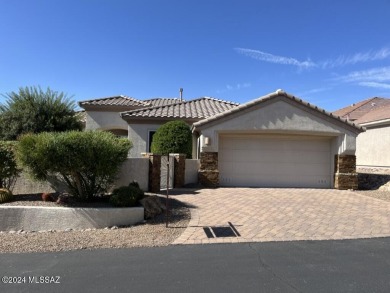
379	114
114	101
369	110
270	96
192	110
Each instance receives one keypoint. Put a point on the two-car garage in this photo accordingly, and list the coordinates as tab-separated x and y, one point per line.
277	141
274	161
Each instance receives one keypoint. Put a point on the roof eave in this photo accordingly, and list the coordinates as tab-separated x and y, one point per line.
354	126
376	123
138	119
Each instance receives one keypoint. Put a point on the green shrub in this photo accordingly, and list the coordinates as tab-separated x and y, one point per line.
8	167
173	137
87	162
135	184
32	110
5	195
126	196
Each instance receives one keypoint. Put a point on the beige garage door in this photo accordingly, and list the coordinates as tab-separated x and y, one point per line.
274	161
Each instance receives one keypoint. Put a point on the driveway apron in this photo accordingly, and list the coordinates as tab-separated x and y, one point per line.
231	215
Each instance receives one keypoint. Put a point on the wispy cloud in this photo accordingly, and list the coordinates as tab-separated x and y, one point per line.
314	91
373	84
238	86
356	58
375	77
340	61
379	74
235	87
267	57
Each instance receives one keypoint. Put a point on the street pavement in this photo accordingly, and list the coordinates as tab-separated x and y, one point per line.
360	265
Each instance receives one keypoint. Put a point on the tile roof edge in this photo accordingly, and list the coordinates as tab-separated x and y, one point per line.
112	97
148	108
268	97
162	98
375	122
122	114
217	100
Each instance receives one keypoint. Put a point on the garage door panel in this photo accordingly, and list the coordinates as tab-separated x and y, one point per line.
271	181
261	157
270	169
274	162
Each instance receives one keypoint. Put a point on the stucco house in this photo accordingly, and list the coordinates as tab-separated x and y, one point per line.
374	144
138	120
277	140
103	113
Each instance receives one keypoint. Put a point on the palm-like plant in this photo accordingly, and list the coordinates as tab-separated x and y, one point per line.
32	110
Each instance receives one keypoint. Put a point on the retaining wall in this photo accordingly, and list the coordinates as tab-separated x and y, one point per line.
14	218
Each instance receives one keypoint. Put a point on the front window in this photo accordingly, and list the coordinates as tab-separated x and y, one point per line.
150	139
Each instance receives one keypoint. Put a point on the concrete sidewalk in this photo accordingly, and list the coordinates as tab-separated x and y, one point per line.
231	215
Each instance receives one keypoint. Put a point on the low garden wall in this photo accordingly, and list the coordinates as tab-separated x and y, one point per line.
15	218
191	173
132	169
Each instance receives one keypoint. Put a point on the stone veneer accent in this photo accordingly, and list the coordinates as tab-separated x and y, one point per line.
179	170
345	172
154	171
208	173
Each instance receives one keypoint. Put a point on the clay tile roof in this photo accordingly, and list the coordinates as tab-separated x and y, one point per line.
114	101
269	97
378	114
81	116
194	109
361	112
345	111
157	102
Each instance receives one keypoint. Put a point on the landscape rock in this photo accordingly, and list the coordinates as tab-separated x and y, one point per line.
47	197
385	187
64	198
153	206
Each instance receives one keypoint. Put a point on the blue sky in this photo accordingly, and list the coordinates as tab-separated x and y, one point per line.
330	53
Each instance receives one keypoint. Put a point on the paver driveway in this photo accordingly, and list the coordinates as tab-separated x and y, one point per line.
267	214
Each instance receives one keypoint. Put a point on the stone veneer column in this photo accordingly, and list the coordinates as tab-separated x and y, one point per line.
179	170
209	174
154	171
345	176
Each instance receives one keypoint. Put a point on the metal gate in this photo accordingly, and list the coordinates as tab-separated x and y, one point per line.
164	172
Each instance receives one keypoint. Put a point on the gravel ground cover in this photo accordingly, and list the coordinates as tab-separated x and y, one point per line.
150	233
376	193
383	195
